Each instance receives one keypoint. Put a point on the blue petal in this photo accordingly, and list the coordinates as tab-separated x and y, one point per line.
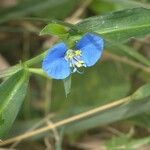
58	69
54	64
91	46
57	51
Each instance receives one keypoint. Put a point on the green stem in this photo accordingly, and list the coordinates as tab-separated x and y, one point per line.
38	71
35	59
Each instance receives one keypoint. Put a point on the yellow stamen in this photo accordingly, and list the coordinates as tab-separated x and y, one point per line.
77	52
70	56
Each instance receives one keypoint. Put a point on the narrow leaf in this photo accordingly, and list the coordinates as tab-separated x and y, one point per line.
67	85
12	93
54	29
9	71
119	25
142	92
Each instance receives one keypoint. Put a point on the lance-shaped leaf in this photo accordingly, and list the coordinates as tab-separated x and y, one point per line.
12	93
54	29
119	25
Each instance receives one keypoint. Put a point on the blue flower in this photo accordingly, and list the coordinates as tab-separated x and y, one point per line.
60	61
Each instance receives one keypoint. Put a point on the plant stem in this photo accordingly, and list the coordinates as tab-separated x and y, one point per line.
38	71
35	59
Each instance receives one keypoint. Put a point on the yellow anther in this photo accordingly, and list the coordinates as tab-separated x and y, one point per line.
70	56
77	52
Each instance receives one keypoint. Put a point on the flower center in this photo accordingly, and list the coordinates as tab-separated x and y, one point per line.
74	59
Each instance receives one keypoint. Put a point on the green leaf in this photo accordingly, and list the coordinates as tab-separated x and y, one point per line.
115	113
119	141
10	71
54	29
125	142
136	143
67	85
119	25
12	93
142	92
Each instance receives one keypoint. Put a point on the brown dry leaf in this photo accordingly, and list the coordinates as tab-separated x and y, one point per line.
3	63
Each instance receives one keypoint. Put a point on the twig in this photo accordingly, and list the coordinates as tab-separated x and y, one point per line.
55	133
47	143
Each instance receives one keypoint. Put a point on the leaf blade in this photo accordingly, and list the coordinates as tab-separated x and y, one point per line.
53	29
12	93
67	85
119	25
